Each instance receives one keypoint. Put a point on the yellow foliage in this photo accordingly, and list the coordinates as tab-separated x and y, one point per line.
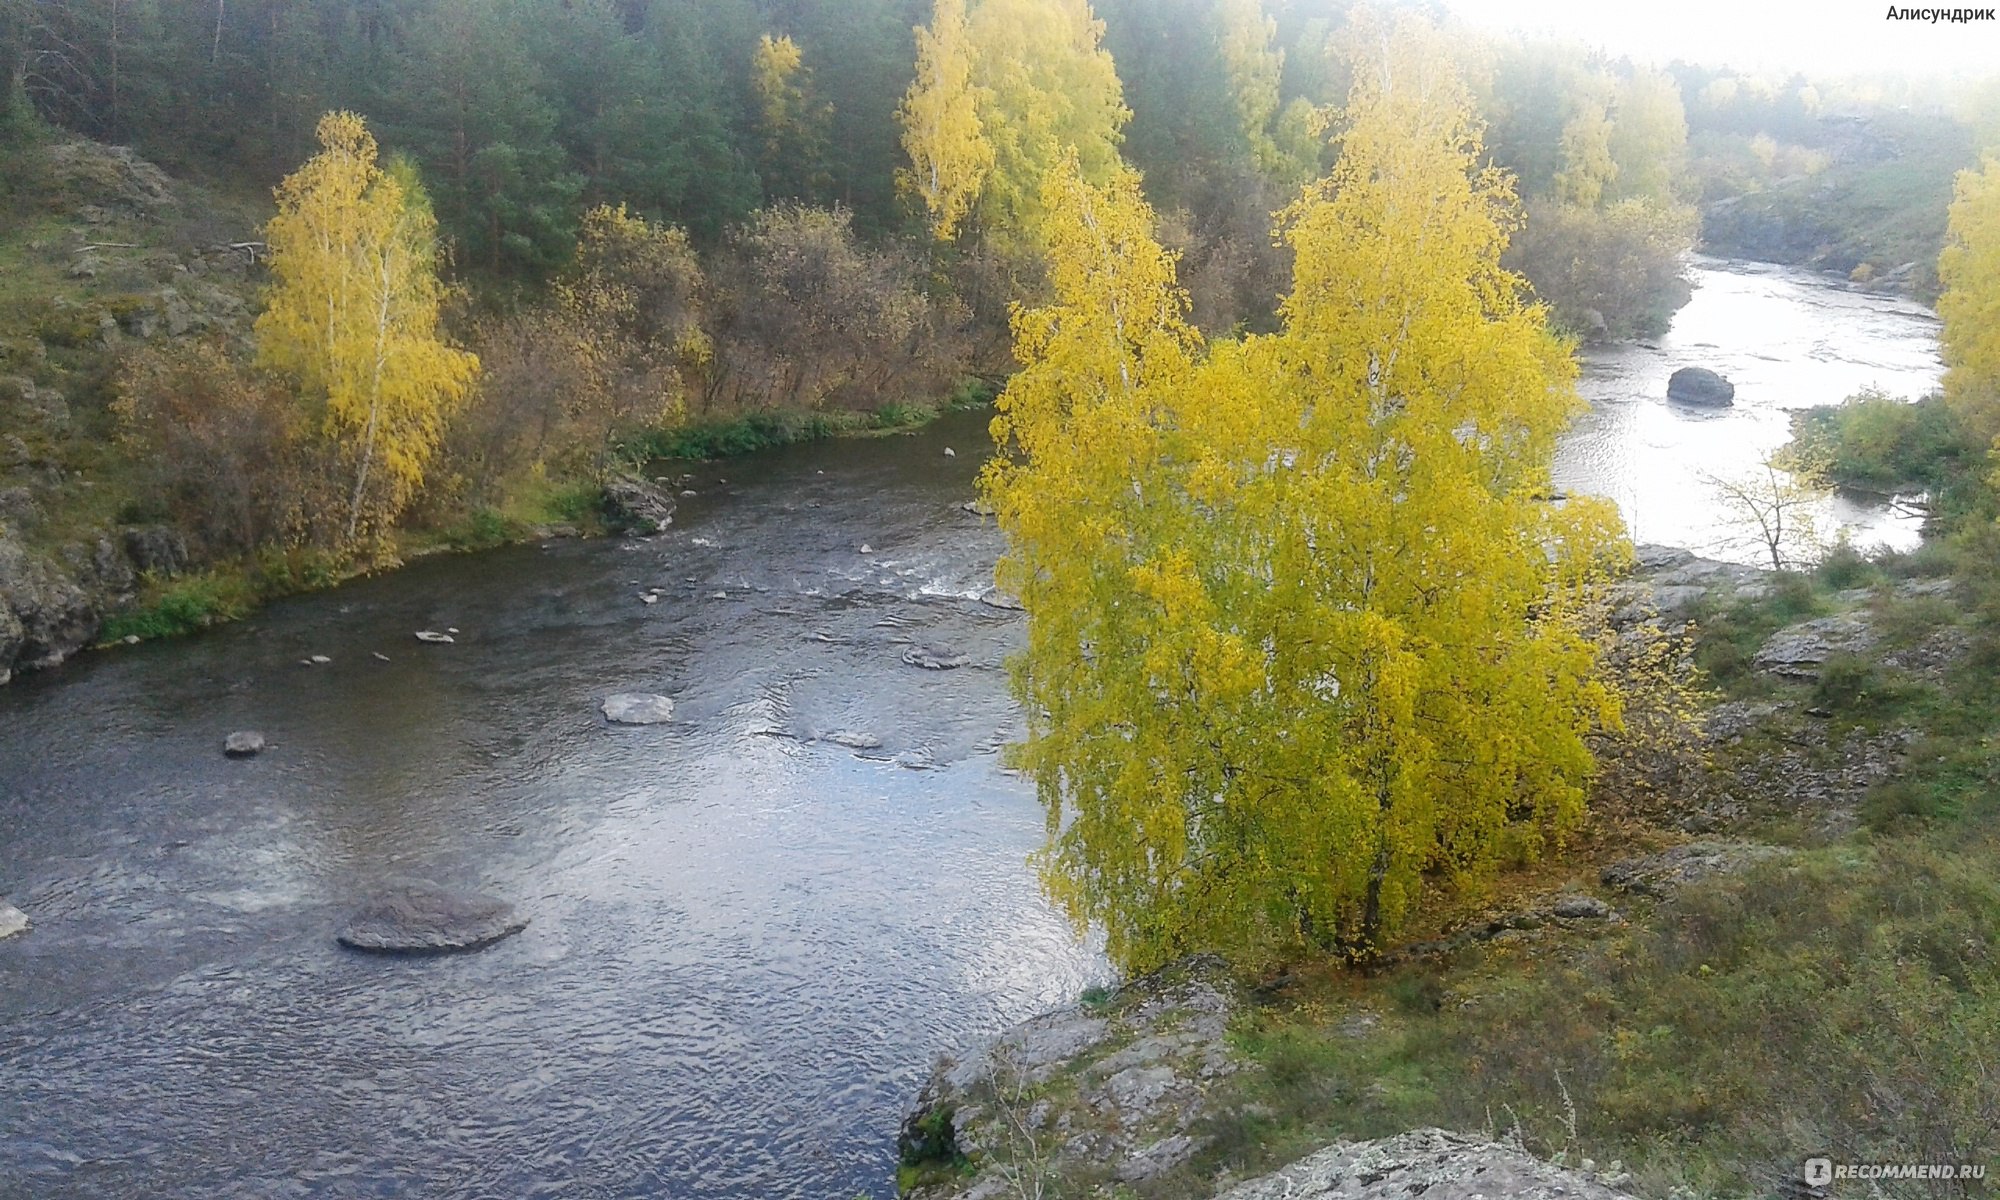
352	315
1302	636
947	145
1969	268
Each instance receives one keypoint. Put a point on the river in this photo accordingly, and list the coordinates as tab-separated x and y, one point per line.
747	939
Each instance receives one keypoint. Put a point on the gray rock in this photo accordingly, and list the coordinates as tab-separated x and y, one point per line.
1430	1163
637	708
158	550
1799	651
1582	908
936	658
1663	874
244	743
48	616
637	505
852	739
12	921
1698	385
434	637
422	918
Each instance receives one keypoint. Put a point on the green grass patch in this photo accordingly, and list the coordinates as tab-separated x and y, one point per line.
186	605
766	430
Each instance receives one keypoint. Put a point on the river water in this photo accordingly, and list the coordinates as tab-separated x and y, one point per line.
748	938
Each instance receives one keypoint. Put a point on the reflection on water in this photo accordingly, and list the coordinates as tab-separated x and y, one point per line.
1788	339
747	939
746	943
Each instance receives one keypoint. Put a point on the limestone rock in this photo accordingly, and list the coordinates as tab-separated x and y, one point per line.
422	918
637	505
1799	651
1430	1163
1665	873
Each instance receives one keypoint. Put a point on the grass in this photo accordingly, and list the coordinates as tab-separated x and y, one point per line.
186	605
764	430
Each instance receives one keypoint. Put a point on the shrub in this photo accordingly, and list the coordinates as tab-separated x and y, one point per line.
223	448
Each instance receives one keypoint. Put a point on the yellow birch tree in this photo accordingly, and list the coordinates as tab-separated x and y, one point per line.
1302	638
352	314
949	153
1969	269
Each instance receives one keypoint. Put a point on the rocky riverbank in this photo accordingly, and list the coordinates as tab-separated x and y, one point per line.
1135	1092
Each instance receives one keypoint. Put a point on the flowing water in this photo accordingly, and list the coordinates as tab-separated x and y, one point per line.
748	935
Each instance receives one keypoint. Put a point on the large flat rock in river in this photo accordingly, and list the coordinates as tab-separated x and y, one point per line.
422	918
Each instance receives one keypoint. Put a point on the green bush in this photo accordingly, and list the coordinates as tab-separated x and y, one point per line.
184	606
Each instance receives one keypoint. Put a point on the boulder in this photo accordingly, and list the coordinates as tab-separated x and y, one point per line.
422	918
53	616
636	505
1430	1163
1698	385
936	658
637	708
244	743
12	921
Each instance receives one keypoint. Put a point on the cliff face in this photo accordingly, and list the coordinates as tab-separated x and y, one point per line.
102	254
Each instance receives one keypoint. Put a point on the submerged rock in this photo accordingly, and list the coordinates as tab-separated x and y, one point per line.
1430	1163
434	637
244	743
1699	385
638	708
12	921
936	658
422	918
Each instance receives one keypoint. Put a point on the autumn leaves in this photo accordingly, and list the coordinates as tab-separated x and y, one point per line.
353	318
1303	641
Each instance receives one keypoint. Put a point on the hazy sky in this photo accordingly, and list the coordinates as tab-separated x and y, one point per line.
1838	36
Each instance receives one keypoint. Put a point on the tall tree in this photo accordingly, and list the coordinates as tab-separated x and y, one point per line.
950	155
792	119
471	108
353	316
1301	635
1969	268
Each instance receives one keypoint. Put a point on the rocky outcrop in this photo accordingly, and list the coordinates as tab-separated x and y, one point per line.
1670	583
1799	651
1661	875
1701	386
1099	1093
422	918
1429	1163
45	616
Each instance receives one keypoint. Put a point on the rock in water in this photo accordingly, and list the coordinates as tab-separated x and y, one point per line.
422	918
935	658
434	637
244	743
1698	385
636	505
638	708
12	921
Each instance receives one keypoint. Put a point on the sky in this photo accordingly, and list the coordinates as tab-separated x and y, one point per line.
1830	36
